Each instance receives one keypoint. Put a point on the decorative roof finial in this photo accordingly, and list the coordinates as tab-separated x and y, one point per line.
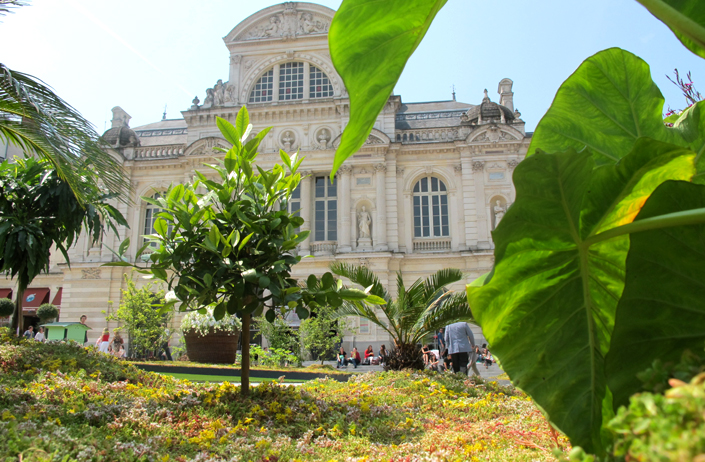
453	92
164	115
486	96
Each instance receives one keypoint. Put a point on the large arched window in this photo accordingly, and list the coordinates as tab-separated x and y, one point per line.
291	81
430	208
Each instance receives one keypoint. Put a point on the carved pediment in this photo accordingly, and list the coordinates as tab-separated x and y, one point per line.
286	21
376	138
204	146
492	135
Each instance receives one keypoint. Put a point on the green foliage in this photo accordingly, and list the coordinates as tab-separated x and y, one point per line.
47	311
552	301
141	318
686	18
282	337
273	357
321	333
38	121
665	427
369	39
418	311
7	307
38	210
203	322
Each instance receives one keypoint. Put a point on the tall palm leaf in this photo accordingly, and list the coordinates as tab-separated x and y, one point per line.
417	312
39	122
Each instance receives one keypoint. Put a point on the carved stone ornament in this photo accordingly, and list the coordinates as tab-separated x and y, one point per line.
477	166
322	139
90	273
236	59
381	168
512	164
346	170
220	95
482	137
373	140
364	262
287	140
458	168
400	171
496	166
288	25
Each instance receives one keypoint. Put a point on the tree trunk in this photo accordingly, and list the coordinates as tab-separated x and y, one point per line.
17	318
245	366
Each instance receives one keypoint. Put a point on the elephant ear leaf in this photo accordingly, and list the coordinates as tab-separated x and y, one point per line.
662	308
605	106
370	42
691	126
686	18
548	308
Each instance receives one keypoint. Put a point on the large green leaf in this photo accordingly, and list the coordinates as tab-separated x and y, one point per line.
606	105
548	307
691	126
686	18
370	42
662	309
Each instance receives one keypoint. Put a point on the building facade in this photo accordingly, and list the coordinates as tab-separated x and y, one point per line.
423	193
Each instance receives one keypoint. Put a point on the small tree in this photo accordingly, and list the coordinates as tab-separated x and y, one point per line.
280	335
321	333
140	313
47	311
37	210
231	243
6	307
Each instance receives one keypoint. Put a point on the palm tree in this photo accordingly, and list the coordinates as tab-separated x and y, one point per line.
40	123
418	311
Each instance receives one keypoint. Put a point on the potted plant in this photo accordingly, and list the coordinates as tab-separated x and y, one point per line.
47	312
208	340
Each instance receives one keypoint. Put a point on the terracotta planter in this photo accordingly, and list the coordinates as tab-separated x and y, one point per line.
215	347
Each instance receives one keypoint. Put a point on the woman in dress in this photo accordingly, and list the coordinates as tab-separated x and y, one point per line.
103	341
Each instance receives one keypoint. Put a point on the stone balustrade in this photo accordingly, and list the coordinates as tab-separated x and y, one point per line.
158	152
432	245
427	136
324	248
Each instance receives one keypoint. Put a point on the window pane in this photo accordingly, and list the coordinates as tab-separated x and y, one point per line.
263	88
444	215
291	81
332	220
443	186
320	86
436	215
416	187
320	221
332	187
424	184
426	231
434	184
320	186
296	193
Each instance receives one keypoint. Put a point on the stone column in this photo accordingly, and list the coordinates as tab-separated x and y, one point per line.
380	224
344	228
483	241
275	84
234	80
306	206
307	86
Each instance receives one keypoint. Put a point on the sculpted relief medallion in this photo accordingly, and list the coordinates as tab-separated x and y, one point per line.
288	25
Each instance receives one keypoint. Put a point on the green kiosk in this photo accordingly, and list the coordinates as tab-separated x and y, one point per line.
66	331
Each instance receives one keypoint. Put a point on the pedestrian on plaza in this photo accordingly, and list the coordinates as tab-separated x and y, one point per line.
354	357
40	337
29	333
342	362
486	356
103	341
383	355
369	355
121	352
441	340
165	343
83	321
117	342
461	345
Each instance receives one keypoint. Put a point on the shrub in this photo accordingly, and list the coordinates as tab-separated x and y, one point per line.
7	307
202	322
47	311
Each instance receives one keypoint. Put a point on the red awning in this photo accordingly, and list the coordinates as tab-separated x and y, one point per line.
35	297
6	293
57	297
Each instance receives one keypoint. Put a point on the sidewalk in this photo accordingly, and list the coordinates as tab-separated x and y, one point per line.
490	373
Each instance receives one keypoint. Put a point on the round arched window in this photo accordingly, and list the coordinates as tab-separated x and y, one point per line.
291	81
150	215
431	208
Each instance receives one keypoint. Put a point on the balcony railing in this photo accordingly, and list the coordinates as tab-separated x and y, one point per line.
159	152
324	248
432	245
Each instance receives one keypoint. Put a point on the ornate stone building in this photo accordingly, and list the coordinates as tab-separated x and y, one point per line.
423	193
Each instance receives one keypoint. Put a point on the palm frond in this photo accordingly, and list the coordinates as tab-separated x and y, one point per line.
356	308
450	308
435	283
361	275
38	121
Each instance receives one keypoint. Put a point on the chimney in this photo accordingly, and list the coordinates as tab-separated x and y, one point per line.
506	96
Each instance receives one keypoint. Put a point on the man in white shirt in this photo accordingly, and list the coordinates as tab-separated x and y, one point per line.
461	346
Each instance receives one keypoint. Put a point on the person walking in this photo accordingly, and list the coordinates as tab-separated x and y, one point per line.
40	337
29	333
461	345
103	341
83	319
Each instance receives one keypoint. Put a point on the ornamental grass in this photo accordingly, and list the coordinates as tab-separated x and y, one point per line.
63	402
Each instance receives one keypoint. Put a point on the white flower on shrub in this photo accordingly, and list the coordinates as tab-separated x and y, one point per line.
204	323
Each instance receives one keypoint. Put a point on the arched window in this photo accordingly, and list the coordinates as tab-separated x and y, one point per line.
430	208
291	81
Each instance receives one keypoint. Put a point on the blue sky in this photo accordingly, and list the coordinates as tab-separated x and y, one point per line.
141	55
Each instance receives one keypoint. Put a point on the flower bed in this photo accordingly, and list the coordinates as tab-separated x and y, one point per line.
49	411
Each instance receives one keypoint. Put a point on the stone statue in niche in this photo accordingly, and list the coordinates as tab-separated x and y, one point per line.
208	102
364	222
287	140
499	212
323	138
219	93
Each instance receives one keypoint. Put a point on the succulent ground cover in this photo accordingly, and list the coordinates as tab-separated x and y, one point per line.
64	402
